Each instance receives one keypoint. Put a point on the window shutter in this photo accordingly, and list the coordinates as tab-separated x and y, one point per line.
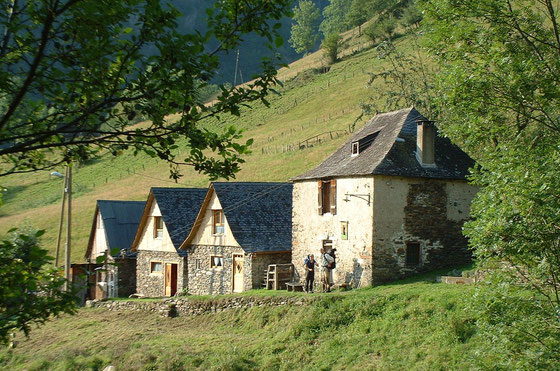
333	196
320	198
155	226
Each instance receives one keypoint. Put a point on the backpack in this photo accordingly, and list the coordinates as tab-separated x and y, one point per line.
333	264
306	260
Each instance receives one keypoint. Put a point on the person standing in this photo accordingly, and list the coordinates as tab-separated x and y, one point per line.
326	261
309	265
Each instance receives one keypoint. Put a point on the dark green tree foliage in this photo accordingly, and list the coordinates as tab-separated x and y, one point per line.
331	45
29	292
334	17
305	30
411	16
74	74
499	84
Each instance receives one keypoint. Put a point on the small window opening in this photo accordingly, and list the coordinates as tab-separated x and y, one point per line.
218	220
343	230
216	261
355	148
156	267
158	227
412	253
198	264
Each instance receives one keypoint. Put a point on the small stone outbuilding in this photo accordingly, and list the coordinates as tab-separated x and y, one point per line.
161	267
241	229
392	201
112	232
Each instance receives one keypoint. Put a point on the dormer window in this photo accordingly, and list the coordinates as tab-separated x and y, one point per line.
355	148
363	143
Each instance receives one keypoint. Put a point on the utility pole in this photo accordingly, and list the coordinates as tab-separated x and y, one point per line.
236	64
68	227
61	218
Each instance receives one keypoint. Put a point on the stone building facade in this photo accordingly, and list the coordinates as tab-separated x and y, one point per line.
391	201
161	267
240	230
151	282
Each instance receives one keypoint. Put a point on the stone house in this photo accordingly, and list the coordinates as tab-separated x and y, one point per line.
112	232
161	267
392	201
241	229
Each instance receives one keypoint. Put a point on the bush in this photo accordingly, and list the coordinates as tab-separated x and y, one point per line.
331	44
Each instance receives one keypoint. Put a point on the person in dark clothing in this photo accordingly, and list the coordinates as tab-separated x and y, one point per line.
309	266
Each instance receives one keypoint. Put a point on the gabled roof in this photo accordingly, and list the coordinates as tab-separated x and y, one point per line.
258	214
120	221
387	156
179	208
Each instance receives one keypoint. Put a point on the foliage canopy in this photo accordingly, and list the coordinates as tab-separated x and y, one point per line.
76	74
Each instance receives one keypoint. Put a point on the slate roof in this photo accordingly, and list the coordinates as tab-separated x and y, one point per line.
120	220
258	214
387	156
179	208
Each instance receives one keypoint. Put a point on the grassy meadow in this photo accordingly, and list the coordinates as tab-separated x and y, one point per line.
413	324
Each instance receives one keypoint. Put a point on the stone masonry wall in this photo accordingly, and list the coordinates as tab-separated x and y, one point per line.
152	284
186	307
126	276
261	263
205	280
427	212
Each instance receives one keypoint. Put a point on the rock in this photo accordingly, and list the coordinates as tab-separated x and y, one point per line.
110	368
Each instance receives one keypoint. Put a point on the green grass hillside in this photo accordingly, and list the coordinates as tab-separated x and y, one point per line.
310	104
414	324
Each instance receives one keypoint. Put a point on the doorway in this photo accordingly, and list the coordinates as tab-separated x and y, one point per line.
237	273
170	279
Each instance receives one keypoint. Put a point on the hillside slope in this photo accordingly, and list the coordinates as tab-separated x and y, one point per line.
312	105
406	325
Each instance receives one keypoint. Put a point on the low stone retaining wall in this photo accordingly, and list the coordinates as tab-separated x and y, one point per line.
186	307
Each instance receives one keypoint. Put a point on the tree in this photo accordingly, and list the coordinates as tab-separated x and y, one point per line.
334	17
305	30
29	292
75	74
499	81
331	44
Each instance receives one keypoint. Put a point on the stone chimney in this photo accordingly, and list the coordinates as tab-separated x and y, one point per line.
425	143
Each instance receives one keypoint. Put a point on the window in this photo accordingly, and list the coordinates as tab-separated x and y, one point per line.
158	227
198	264
327	197
216	262
355	148
412	253
218	220
343	230
156	267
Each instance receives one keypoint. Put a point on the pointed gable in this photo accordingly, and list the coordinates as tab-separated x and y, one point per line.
388	147
259	215
120	222
178	207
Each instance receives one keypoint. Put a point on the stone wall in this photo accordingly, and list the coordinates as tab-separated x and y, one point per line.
186	307
354	204
206	280
125	271
428	212
260	263
152	284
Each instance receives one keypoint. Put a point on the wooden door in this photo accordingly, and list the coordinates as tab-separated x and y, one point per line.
170	279
237	273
